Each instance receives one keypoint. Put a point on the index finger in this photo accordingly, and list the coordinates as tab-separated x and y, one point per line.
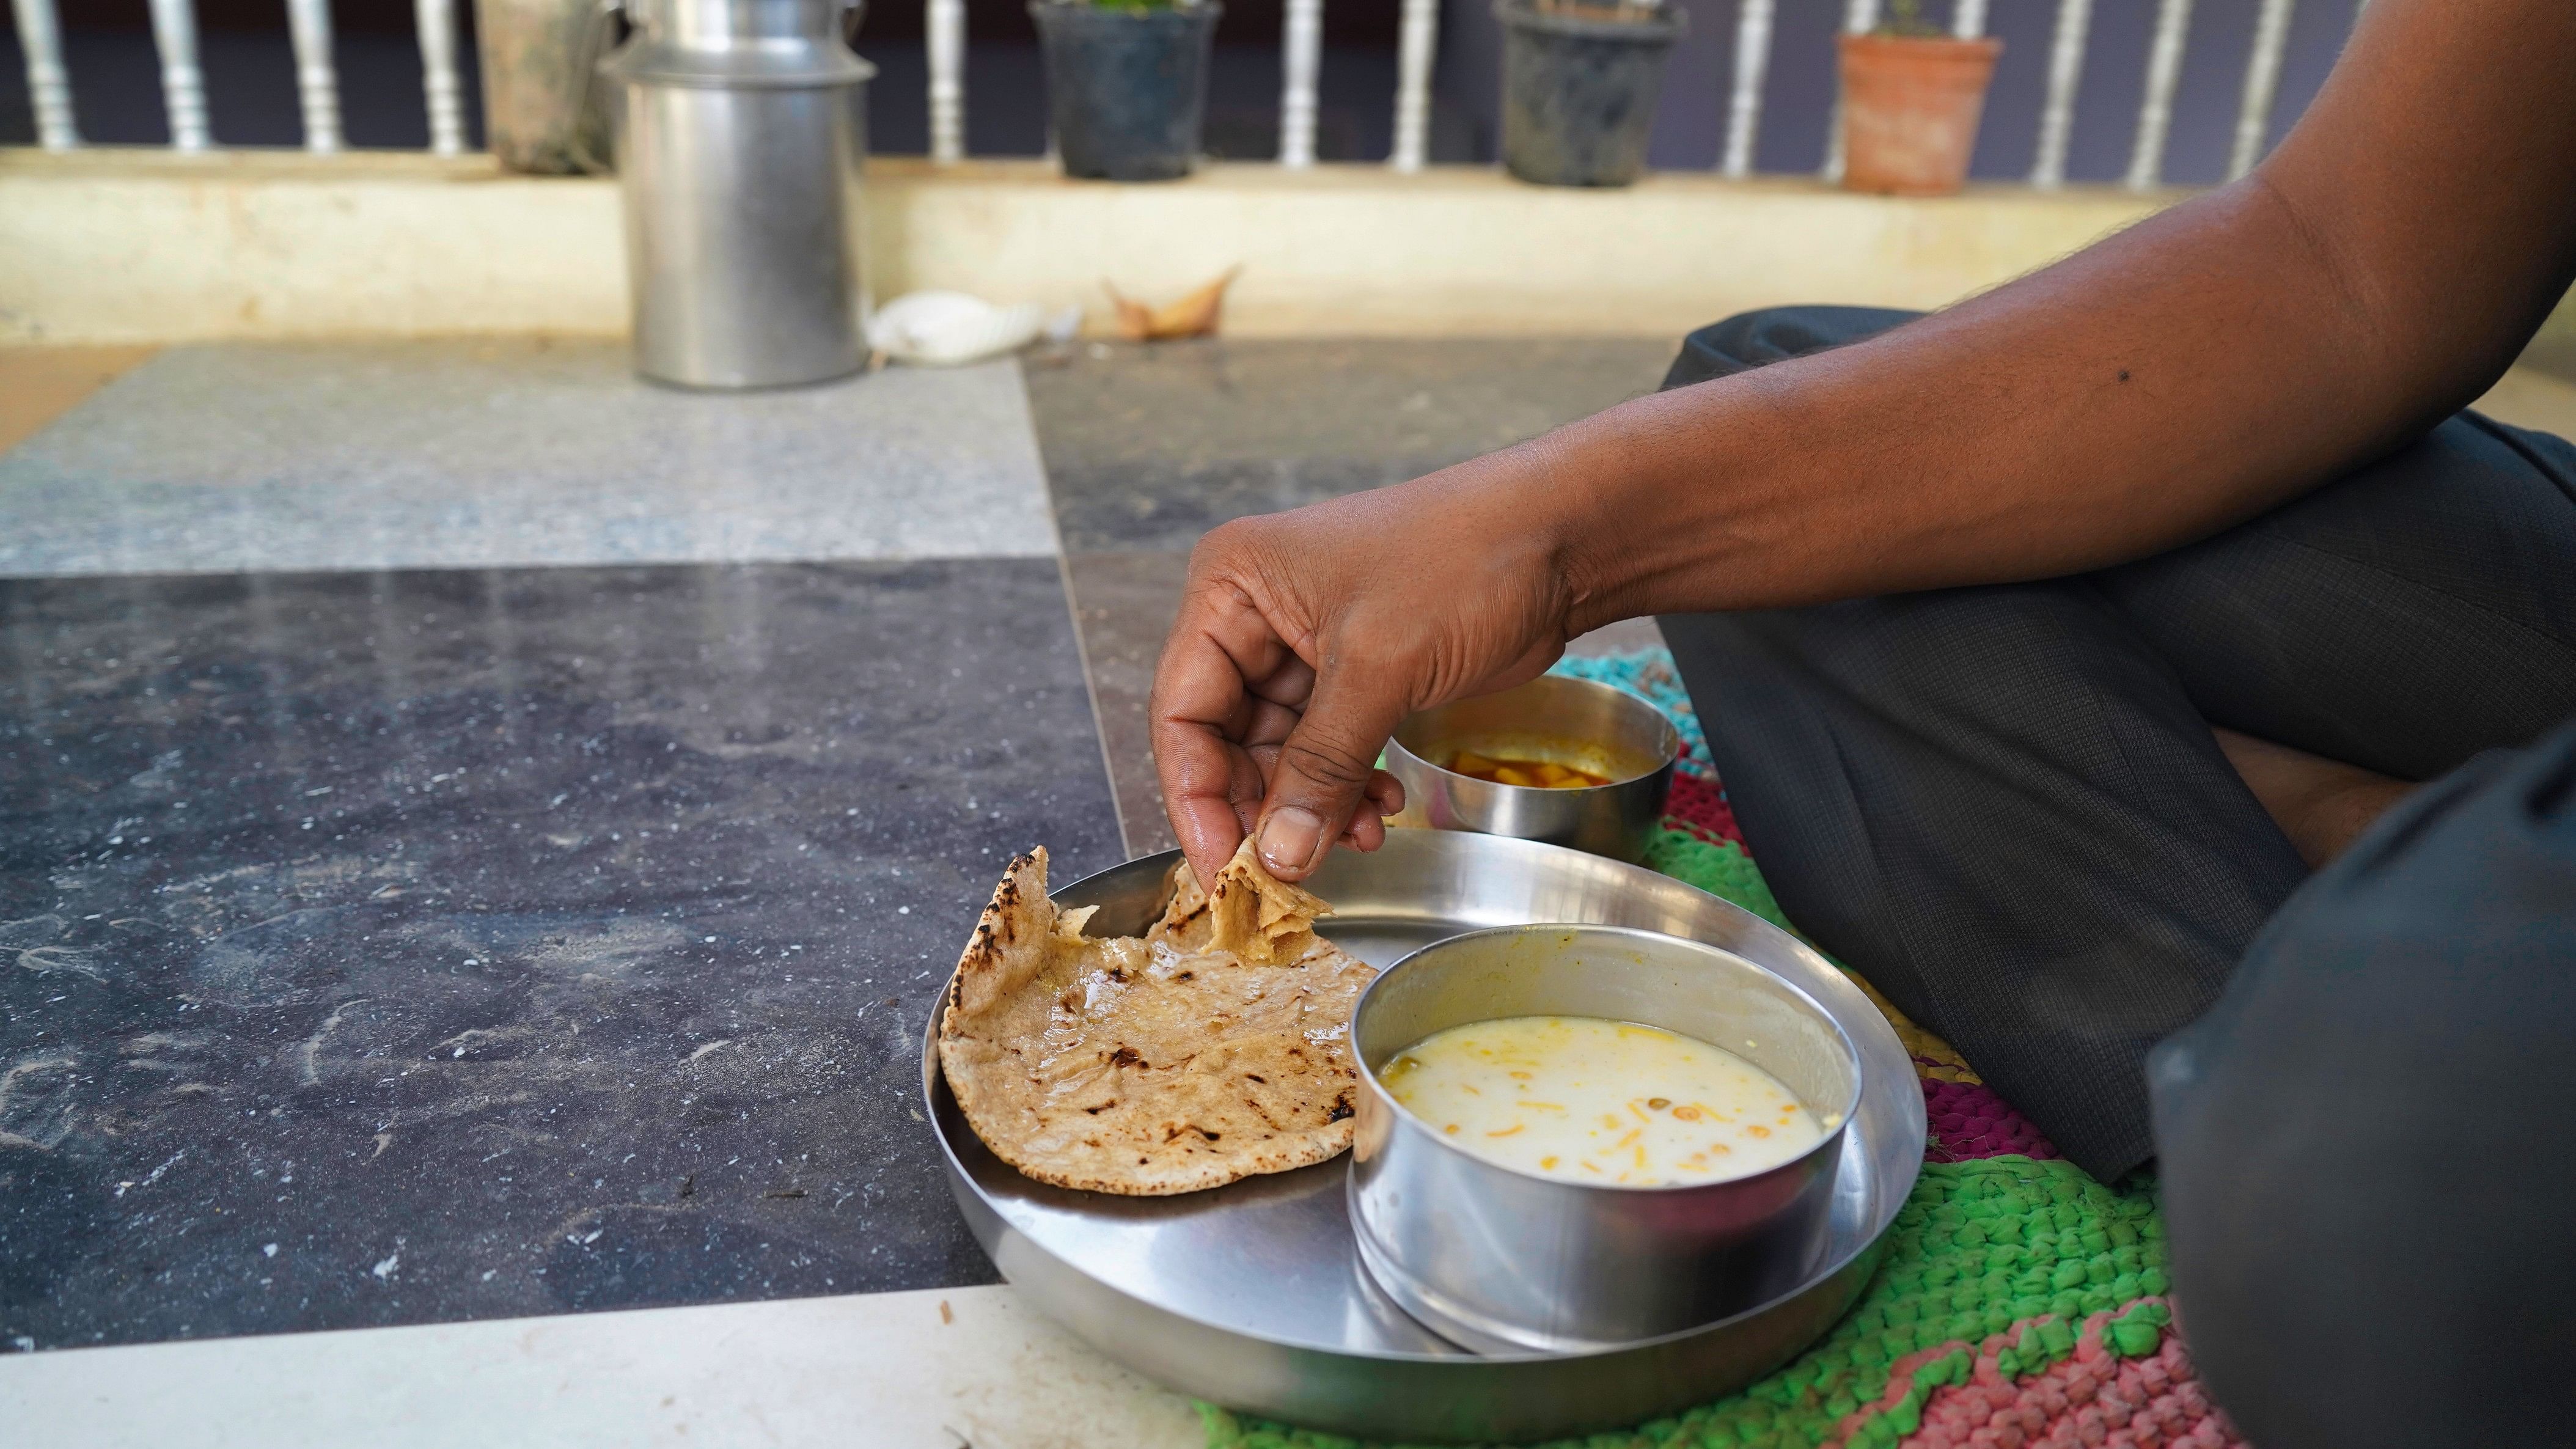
1201	706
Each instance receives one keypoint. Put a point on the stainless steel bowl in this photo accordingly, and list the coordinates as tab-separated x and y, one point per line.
1573	722
1502	1260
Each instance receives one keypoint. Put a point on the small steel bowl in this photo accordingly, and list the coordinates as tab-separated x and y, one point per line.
1500	1260
1572	722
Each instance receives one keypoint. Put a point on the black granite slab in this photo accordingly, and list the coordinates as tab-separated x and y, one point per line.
386	948
1124	603
1147	447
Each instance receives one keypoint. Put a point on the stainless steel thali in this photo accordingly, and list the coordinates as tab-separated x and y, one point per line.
1251	1295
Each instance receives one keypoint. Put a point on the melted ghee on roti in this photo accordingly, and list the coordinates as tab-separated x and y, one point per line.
1601	1101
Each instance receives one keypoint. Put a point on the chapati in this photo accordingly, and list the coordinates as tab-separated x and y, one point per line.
1215	1047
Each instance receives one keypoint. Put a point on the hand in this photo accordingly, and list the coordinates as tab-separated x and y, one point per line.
1305	637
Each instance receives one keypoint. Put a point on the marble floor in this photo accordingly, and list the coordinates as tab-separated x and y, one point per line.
494	453
480	840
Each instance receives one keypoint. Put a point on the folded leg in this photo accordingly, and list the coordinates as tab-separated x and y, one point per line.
2004	804
2001	807
2368	1147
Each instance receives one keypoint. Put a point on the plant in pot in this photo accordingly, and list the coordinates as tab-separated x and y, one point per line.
1580	82
541	111
1912	98
1127	83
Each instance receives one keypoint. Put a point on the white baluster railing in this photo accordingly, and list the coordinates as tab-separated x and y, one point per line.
1417	42
946	42
183	84
49	81
183	81
2057	113
317	83
1301	55
1859	18
1744	100
2155	111
440	93
2262	82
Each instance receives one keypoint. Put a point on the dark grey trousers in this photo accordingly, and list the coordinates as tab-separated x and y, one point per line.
2004	806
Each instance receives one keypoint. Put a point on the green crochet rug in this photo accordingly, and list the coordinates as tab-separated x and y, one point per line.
2020	1302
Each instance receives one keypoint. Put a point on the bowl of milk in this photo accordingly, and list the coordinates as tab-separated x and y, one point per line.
1574	1137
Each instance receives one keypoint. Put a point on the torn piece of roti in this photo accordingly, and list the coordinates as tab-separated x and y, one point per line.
1213	1048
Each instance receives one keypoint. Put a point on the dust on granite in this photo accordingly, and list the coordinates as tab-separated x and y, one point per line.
432	948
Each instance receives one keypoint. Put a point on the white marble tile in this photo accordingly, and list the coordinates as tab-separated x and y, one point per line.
482	453
927	1370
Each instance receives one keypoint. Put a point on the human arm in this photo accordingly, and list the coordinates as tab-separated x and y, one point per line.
2373	275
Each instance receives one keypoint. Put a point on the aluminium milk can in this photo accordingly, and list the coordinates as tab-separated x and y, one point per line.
740	143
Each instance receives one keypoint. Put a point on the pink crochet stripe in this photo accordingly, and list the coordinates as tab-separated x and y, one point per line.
2090	1398
1900	1385
1700	804
1969	1121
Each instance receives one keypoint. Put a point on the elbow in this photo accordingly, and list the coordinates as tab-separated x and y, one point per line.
2417	328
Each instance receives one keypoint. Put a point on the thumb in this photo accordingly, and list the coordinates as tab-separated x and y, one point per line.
1322	773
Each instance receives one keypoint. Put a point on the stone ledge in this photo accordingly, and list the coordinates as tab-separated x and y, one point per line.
115	246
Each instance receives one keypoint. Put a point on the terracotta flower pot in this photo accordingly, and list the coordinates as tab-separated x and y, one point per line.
1910	110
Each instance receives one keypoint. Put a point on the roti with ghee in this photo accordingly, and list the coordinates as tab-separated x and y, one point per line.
1214	1047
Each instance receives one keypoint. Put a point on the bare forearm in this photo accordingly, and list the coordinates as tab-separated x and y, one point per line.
2204	366
2209	363
2148	391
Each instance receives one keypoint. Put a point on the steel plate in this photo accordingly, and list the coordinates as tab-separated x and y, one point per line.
1252	1296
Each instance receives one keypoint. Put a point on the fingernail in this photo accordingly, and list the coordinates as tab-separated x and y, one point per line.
1291	839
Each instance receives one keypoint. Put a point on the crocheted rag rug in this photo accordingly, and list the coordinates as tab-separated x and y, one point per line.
2020	1302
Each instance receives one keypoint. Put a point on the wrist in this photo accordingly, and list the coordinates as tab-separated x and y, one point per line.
1605	516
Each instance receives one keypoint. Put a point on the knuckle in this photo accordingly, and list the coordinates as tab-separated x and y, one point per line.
1231	540
1325	765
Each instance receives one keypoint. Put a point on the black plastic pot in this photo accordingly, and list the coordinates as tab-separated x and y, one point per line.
1579	93
1127	88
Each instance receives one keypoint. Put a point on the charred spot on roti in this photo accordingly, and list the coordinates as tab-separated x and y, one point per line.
1233	1065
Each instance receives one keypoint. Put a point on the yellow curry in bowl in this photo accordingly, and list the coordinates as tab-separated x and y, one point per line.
1534	774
